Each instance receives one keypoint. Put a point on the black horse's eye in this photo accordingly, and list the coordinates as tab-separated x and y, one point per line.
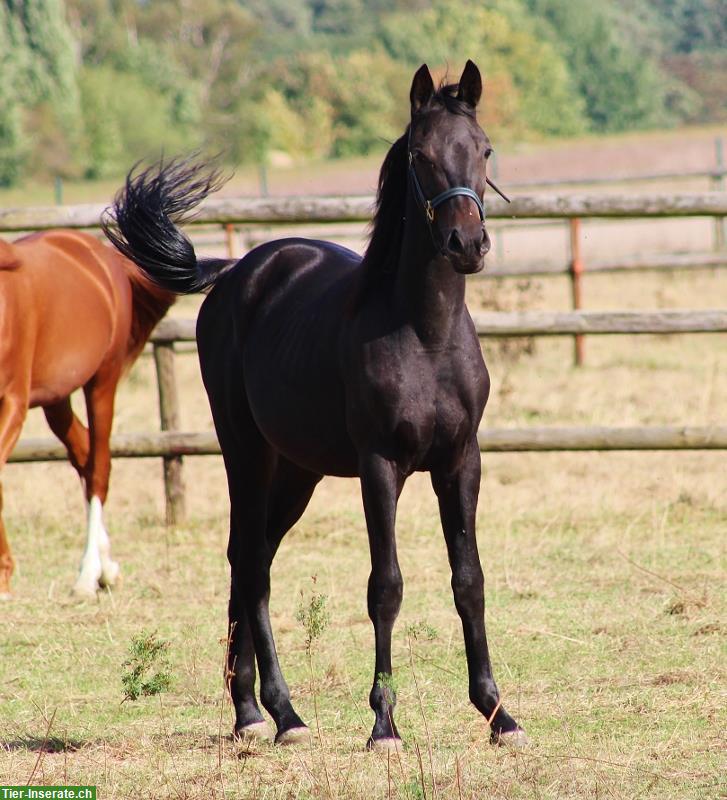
421	158
488	152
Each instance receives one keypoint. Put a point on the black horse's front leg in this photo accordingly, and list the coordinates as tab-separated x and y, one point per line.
457	493
381	484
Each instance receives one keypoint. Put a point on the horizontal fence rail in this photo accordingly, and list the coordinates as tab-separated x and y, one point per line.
538	323
557	323
714	175
313	209
656	262
169	444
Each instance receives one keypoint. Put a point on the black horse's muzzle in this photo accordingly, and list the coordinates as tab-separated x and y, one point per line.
465	248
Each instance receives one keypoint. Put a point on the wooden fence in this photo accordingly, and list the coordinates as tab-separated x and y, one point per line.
229	212
171	444
347	208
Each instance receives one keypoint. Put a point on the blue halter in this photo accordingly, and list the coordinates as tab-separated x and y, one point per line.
429	206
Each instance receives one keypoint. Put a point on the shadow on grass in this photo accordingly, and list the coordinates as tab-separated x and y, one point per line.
36	744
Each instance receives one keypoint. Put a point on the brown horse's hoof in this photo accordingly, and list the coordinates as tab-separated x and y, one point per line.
82	591
255	732
517	739
389	745
110	575
298	735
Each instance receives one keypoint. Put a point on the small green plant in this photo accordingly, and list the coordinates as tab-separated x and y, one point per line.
313	616
387	682
146	654
413	789
421	631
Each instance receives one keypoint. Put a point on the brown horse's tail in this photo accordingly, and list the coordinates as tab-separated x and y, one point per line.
9	258
142	224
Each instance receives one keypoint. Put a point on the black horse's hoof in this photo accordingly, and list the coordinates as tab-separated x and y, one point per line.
391	744
254	732
298	735
517	739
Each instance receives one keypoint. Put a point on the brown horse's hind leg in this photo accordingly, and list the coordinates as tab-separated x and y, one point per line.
72	432
13	409
75	436
97	567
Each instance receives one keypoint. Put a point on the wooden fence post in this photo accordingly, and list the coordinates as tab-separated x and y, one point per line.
231	241
169	414
576	272
718	186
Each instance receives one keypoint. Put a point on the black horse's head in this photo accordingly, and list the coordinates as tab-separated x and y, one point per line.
448	154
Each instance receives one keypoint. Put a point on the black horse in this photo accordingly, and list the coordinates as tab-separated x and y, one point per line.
318	362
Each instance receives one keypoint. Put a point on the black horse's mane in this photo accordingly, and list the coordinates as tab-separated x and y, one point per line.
387	227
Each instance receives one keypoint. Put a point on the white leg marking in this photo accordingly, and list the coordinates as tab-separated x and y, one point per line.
109	568
97	567
90	572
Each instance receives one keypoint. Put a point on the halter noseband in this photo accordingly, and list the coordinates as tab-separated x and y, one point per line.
429	206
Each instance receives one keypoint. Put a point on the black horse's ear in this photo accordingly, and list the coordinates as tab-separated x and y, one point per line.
422	89
470	84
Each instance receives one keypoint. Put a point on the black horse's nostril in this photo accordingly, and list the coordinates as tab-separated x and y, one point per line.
485	243
455	243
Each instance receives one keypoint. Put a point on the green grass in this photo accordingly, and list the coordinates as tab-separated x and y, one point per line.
606	632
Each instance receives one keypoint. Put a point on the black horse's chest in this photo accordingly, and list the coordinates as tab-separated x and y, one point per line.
420	406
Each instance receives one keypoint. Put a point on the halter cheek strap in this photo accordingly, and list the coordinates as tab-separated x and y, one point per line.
429	206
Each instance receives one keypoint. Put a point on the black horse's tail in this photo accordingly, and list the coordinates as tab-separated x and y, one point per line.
142	223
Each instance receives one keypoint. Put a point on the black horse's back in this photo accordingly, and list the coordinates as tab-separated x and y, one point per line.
283	308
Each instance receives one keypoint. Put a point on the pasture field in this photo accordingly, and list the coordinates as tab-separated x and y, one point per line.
604	585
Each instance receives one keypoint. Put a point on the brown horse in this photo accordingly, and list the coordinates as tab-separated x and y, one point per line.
73	313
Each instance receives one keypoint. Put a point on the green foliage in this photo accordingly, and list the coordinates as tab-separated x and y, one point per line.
421	631
146	653
40	76
43	44
127	120
688	26
621	87
387	682
11	135
90	86
313	616
357	105
527	83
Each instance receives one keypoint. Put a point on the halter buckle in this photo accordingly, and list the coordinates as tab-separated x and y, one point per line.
429	208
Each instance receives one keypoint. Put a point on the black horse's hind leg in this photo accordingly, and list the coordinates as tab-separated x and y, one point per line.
381	484
268	499
241	673
457	493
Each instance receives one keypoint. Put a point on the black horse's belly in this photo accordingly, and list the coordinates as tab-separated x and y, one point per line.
291	374
300	412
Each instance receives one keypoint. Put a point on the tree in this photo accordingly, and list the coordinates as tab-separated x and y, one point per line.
527	82
621	87
11	135
42	40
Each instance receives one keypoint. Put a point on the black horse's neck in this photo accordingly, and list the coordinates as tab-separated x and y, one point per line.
428	291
